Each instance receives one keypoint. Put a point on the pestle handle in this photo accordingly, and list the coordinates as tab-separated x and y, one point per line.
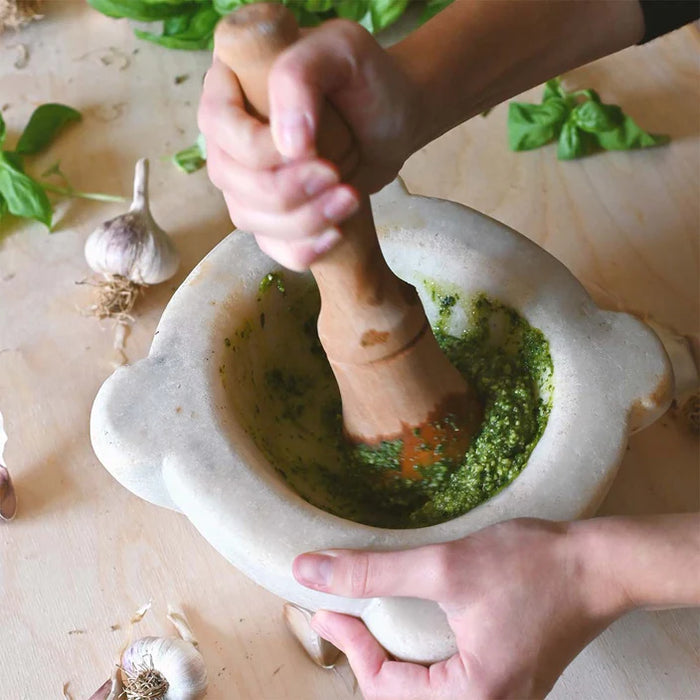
362	299
394	381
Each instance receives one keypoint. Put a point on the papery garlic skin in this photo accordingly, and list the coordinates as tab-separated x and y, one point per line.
175	659
133	245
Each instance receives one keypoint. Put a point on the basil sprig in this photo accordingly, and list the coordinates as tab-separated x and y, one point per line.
21	194
579	121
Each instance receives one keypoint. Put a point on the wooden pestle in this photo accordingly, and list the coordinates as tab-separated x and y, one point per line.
394	381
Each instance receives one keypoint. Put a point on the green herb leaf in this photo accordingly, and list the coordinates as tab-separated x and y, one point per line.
3	130
352	9
594	116
196	33
224	7
43	126
432	7
142	10
553	88
318	6
386	12
3	207
14	159
24	197
531	126
191	159
628	135
573	142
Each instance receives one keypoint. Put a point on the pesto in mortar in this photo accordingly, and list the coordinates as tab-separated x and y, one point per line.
297	420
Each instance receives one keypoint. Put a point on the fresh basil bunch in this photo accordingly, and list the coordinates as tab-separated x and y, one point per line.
579	120
189	24
21	194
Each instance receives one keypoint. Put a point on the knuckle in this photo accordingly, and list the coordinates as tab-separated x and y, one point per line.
284	190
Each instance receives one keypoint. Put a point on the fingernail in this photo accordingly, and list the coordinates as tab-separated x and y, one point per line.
314	569
318	179
293	134
326	240
339	204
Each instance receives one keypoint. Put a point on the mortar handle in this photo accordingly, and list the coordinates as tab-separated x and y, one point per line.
361	297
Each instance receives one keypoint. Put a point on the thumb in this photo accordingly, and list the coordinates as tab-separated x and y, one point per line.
321	62
424	572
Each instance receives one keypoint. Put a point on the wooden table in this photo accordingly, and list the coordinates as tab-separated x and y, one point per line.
84	553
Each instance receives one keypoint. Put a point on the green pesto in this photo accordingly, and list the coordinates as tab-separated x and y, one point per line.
500	354
271	279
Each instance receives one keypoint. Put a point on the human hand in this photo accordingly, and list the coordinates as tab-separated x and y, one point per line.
521	597
274	182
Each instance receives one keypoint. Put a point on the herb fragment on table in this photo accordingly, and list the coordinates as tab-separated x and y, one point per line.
193	158
579	121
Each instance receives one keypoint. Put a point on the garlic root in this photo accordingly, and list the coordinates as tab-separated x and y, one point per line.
163	667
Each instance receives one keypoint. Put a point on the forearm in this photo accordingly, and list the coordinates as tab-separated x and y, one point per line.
637	562
477	53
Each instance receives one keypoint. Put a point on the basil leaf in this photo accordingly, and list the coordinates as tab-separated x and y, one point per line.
628	135
46	121
24	197
3	207
573	142
198	33
14	159
590	94
531	126
432	7
175	25
595	117
553	88
225	7
141	10
191	159
318	5
386	12
3	130
351	9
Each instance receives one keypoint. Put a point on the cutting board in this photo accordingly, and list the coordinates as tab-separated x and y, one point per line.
84	554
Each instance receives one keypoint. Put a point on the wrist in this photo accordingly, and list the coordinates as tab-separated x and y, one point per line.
604	589
639	562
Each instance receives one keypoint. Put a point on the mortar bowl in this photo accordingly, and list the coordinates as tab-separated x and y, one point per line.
174	427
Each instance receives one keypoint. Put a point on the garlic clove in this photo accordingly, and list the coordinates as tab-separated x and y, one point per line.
164	667
132	245
8	499
111	689
298	621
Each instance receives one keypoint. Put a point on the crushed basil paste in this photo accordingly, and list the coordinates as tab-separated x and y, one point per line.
297	421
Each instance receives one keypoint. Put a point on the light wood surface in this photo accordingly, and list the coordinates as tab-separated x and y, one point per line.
84	553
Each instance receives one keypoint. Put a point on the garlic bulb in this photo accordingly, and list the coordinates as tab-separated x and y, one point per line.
163	667
133	246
